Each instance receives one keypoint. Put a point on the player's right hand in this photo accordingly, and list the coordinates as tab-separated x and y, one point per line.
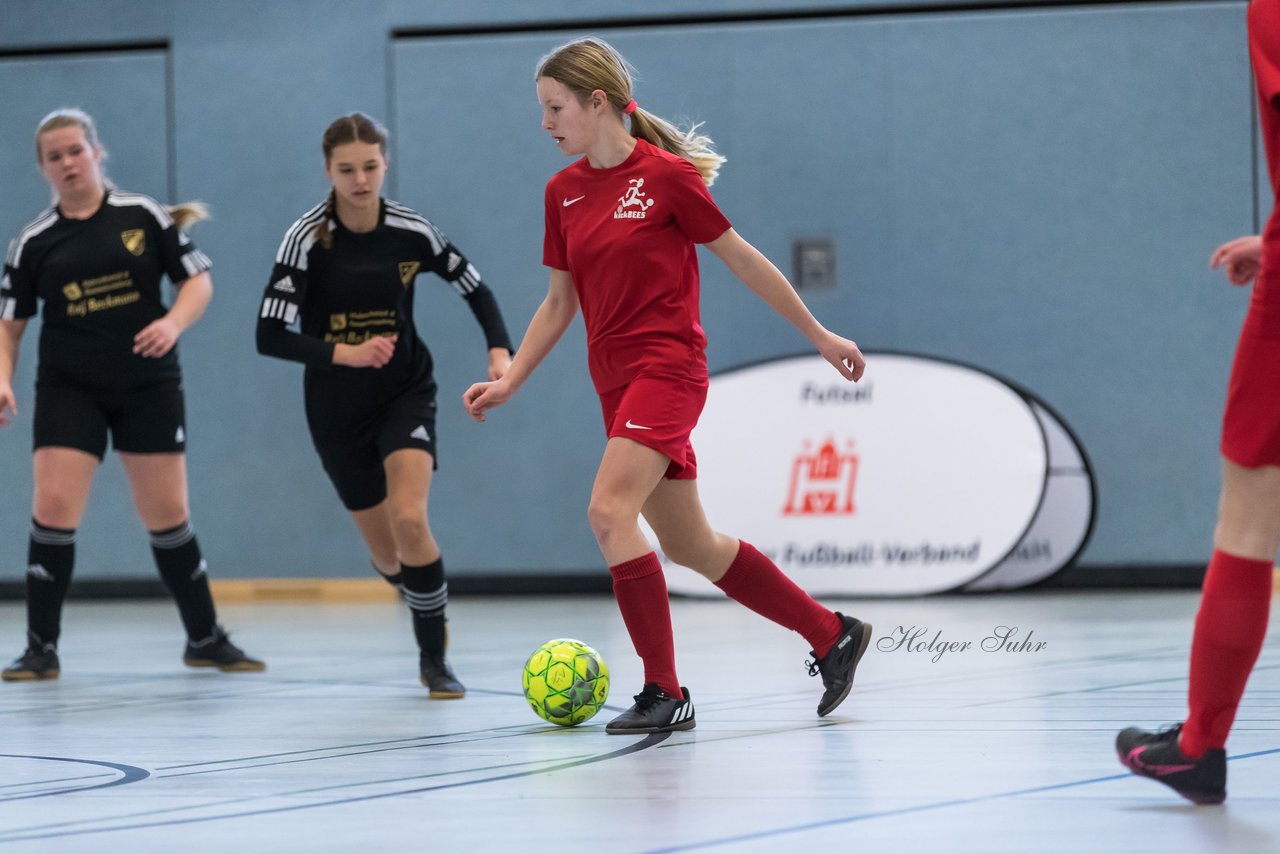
8	404
482	397
1241	259
373	353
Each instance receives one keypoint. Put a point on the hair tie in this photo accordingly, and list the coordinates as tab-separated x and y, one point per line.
629	108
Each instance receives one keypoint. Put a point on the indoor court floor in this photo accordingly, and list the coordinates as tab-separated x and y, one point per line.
337	748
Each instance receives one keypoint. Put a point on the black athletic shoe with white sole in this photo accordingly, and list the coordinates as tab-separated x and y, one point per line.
841	661
654	711
39	662
218	651
438	676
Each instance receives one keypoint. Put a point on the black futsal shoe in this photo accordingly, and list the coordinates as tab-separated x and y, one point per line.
218	651
40	661
438	676
1157	755
654	711
842	660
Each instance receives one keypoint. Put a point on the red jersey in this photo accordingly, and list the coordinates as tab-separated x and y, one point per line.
627	235
1264	51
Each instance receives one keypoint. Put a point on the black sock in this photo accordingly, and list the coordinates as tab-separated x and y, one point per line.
51	556
182	569
427	594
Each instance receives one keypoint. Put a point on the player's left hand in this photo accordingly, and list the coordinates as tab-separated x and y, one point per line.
156	338
8	403
482	397
499	362
843	354
1241	259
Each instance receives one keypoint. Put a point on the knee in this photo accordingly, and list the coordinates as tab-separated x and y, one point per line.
54	510
409	527
682	551
606	516
165	516
1257	541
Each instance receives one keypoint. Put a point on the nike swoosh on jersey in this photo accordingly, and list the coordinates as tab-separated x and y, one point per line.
636	426
568	202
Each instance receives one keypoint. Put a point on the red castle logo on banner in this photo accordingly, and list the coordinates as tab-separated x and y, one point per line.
822	482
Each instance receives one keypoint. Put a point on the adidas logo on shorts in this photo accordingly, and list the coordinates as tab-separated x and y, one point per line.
420	432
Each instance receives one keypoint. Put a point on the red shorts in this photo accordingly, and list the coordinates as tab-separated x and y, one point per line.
659	412
1251	425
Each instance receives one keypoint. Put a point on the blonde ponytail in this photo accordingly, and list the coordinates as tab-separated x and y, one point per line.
188	214
587	64
689	144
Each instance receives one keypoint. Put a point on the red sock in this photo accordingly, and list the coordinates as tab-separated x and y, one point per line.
641	591
1230	627
756	582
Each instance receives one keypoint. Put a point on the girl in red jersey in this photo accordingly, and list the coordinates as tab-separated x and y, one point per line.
1232	620
622	224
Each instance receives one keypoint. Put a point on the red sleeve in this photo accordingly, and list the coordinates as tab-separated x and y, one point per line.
695	211
553	251
1264	48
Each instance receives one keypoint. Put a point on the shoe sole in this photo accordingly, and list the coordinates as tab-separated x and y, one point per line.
238	667
29	675
862	650
683	725
434	694
1198	798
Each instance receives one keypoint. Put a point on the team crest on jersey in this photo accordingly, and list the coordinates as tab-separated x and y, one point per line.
337	322
633	204
72	292
135	240
408	269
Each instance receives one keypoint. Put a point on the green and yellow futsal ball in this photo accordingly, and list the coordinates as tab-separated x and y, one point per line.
565	681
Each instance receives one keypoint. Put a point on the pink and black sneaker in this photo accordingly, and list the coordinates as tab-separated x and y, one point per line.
1157	755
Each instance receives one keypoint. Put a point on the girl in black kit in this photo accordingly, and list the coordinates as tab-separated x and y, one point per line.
345	274
107	365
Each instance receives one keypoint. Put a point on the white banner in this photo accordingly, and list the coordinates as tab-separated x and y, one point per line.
1064	520
919	479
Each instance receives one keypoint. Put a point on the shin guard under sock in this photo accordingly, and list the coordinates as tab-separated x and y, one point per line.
51	556
1230	627
641	591
427	593
183	572
755	581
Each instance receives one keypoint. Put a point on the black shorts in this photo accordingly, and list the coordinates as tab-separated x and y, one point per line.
147	420
352	449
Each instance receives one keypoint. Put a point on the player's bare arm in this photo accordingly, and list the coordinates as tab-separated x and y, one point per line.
545	329
759	274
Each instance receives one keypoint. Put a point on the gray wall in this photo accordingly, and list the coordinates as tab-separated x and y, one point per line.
1035	192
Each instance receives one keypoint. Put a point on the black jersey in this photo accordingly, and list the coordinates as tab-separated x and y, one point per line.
361	287
99	279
